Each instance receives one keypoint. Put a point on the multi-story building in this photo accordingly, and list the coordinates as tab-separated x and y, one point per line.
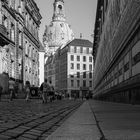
73	67
116	50
31	42
20	20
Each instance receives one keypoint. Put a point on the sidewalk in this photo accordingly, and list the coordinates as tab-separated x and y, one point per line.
117	121
80	126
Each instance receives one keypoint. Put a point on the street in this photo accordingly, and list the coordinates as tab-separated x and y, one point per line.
68	119
21	120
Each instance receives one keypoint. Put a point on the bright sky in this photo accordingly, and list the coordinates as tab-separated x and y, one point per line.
80	15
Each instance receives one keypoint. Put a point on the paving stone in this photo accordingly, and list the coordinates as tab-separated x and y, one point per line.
10	134
4	137
33	133
26	135
23	138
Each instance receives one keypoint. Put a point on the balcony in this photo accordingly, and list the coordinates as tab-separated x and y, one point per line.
3	36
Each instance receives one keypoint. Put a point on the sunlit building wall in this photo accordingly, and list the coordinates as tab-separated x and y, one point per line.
20	21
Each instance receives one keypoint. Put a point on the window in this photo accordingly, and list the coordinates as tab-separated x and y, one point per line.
78	49
84	66
12	33
87	50
71	75
84	74
72	49
90	67
78	66
72	83
26	47
78	58
72	66
75	49
90	75
84	50
29	50
90	59
126	67
78	83
90	50
20	38
84	58
72	58
81	50
78	74
90	83
84	83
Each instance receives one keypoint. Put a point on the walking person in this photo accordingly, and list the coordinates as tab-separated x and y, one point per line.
27	90
11	88
44	88
51	92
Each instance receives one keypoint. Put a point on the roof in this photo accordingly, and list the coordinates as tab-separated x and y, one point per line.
81	42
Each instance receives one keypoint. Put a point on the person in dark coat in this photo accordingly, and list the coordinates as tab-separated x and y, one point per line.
27	90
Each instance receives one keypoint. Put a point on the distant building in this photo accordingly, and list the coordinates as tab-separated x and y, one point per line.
19	45
73	68
49	68
116	51
59	32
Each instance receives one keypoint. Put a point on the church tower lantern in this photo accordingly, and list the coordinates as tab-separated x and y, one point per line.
59	11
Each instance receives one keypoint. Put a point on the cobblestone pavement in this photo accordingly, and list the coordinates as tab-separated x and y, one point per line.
21	120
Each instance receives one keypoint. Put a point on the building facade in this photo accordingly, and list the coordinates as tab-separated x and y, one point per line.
116	50
19	57
78	67
73	68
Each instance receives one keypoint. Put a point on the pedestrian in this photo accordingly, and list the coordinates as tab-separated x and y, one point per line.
45	88
0	91
51	92
11	88
27	90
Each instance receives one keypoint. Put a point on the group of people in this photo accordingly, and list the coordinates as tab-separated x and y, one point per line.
46	90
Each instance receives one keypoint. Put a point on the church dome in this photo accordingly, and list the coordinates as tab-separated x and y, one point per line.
58	33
